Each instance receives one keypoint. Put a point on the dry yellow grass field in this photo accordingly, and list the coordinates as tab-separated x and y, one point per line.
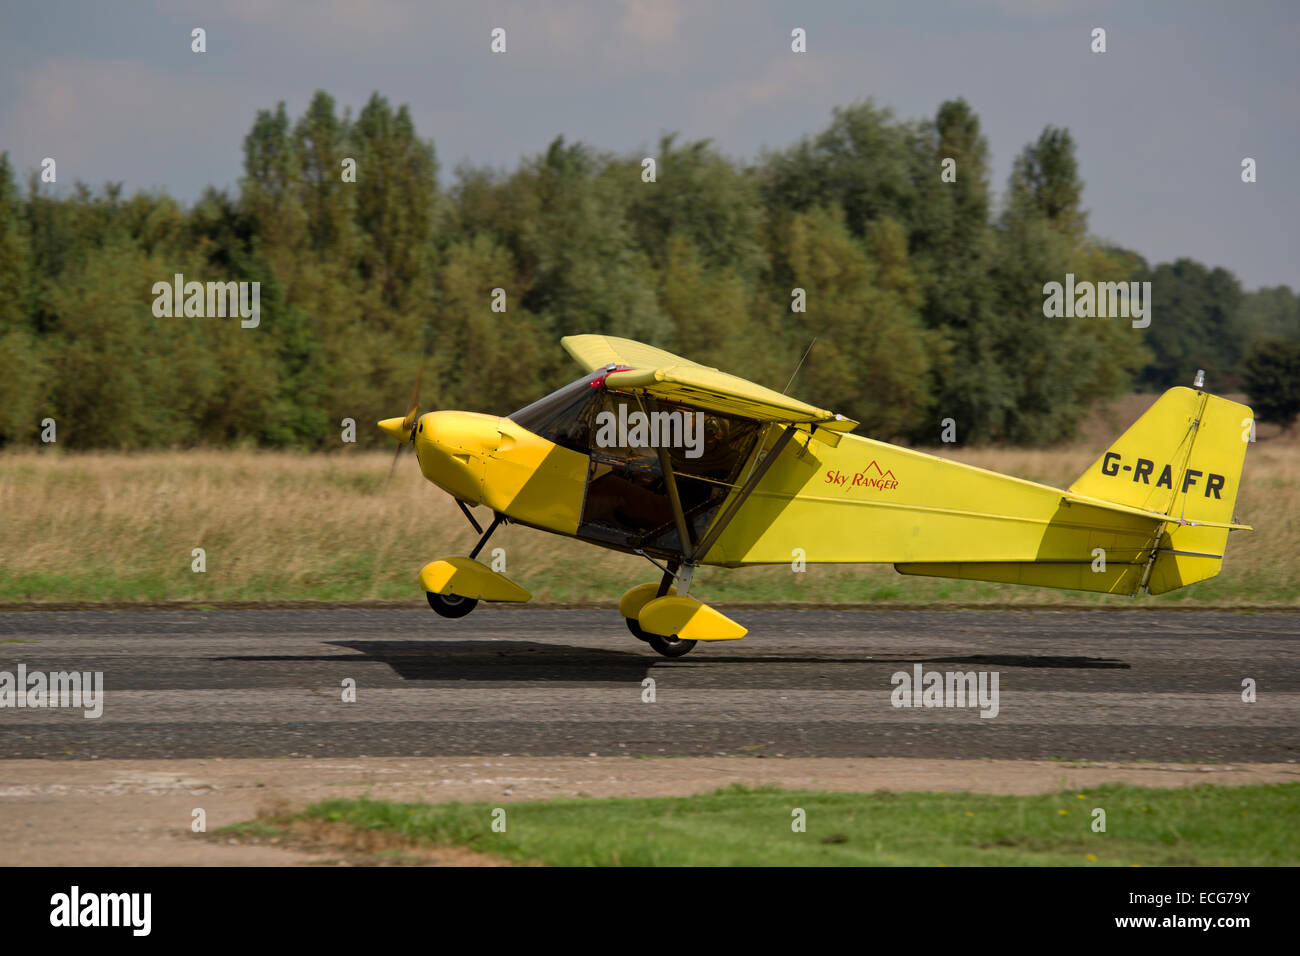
279	526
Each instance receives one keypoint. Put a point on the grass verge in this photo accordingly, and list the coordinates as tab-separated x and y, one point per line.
739	826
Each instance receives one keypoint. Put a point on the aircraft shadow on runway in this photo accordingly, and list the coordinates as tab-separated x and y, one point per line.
484	660
539	661
1020	660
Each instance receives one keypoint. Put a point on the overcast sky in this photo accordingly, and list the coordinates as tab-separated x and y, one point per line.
1162	119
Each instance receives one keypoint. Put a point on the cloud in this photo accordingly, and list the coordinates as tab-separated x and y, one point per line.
787	79
651	21
118	120
328	25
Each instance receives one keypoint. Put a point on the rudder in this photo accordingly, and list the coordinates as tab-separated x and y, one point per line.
1183	458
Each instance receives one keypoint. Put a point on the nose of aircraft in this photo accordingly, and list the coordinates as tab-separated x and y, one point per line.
453	448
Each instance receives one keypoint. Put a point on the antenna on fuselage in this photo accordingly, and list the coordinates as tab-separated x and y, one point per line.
799	366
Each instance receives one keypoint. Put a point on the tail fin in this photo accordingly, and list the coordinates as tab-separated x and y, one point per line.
1183	458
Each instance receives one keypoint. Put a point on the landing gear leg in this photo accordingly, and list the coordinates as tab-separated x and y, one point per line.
453	605
496	523
667	580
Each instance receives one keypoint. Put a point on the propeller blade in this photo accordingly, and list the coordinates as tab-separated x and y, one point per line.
403	429
412	413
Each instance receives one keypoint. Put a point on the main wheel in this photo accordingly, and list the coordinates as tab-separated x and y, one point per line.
670	646
451	605
634	626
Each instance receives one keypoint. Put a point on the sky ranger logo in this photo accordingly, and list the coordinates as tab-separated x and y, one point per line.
870	477
655	430
103	909
950	689
1110	465
58	689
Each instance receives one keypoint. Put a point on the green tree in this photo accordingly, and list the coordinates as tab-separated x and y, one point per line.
563	217
709	307
872	353
486	361
1270	313
1045	181
1195	324
953	250
397	202
23	389
863	162
924	306
698	195
1272	380
269	191
1050	370
320	143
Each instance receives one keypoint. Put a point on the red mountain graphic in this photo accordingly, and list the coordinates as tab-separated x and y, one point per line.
882	474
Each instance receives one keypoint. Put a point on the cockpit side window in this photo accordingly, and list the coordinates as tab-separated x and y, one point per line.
564	416
627	502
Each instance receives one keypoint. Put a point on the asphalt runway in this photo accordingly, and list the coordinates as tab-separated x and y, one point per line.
1073	685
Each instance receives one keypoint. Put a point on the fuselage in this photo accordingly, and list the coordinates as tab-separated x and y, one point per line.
845	500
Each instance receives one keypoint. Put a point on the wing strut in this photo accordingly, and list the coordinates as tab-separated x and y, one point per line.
674	499
720	525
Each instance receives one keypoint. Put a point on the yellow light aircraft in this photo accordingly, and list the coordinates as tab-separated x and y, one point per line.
651	454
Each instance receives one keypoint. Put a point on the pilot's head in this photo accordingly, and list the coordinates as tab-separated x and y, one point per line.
715	430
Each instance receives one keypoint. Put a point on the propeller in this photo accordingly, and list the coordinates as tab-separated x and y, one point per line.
405	429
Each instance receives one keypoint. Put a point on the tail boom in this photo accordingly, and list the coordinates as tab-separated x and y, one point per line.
1153	512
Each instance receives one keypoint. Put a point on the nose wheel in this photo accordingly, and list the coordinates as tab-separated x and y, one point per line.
451	605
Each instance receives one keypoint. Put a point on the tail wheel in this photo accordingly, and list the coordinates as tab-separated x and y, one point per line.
670	646
451	605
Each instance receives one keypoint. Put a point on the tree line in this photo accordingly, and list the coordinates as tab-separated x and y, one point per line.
922	295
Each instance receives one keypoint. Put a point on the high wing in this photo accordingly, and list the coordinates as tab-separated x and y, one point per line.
594	352
670	377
